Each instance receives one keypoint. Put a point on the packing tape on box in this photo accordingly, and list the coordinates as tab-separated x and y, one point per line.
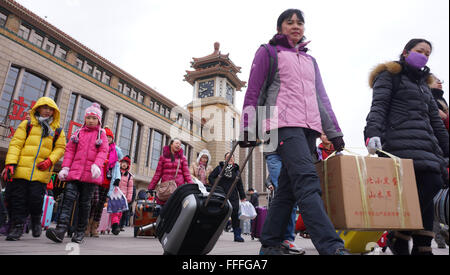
362	174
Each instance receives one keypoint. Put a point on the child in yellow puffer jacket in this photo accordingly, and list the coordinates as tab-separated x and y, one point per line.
35	147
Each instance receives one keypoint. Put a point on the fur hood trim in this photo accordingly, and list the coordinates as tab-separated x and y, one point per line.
392	67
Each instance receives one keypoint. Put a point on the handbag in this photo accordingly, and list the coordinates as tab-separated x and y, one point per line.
117	202
247	211
166	188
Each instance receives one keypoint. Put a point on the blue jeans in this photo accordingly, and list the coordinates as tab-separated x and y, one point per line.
274	165
299	184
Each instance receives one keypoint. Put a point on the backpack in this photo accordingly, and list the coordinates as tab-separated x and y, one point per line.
55	137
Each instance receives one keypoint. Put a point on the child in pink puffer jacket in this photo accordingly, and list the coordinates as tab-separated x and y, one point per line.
125	184
82	169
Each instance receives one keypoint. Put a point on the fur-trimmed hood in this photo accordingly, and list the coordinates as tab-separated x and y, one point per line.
392	67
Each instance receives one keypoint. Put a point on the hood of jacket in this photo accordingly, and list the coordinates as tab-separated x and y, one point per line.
166	152
393	67
204	152
49	102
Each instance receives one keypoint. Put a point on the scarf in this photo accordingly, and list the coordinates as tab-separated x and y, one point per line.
112	159
202	173
45	124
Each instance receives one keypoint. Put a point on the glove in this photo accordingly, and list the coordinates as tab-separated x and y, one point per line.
62	175
246	143
44	165
116	182
95	171
373	144
338	143
8	172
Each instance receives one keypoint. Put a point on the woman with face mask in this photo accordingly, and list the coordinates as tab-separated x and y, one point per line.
404	121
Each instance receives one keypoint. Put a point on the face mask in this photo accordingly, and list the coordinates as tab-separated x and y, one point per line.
416	60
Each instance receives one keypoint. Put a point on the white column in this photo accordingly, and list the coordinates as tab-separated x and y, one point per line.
133	141
47	88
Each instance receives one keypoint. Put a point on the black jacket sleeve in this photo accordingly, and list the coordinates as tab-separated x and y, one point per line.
381	100
213	175
439	129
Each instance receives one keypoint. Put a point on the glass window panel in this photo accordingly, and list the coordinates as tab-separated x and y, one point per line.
137	135
61	53
37	39
147	156
7	93
79	64
70	111
53	93
50	47
24	32
156	149
3	18
126	132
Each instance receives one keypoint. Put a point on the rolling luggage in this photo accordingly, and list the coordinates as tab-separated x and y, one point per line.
360	241
146	213
105	222
258	222
47	211
192	220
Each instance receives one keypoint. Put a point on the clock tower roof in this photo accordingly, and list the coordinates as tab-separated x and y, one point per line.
214	64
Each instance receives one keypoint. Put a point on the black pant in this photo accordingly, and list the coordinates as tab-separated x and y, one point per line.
235	222
25	198
82	192
428	185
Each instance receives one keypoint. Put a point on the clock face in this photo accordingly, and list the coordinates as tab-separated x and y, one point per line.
230	91
206	89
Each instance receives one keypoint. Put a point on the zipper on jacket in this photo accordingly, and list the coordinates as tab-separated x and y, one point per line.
34	162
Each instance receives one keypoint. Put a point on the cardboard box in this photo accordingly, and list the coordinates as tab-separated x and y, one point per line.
370	200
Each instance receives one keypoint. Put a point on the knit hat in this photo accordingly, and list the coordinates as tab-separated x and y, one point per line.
109	133
94	110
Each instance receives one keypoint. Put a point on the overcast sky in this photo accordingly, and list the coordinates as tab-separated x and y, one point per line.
155	40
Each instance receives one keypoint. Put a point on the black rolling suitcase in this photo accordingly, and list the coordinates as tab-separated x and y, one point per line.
193	218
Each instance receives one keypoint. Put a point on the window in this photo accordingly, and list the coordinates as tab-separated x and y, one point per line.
82	106
126	90
36	39
50	47
162	110
156	107
24	32
79	64
140	98
3	18
137	136
70	111
61	53
133	94
126	132
8	90
98	75
115	124
149	143
120	87
106	79
88	69
156	149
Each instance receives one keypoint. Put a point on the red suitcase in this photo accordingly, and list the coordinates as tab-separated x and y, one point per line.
258	222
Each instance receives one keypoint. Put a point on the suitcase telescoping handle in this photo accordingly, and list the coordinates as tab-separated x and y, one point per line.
238	177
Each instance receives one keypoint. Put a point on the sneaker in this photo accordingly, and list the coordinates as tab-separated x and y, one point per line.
272	250
291	248
342	251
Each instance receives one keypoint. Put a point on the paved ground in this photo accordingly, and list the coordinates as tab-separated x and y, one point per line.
125	243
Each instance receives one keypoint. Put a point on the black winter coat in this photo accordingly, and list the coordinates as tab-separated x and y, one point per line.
407	120
225	183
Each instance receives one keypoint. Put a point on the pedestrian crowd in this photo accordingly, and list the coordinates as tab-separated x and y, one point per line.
408	118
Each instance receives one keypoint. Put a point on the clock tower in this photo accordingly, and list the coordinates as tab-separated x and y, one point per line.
215	83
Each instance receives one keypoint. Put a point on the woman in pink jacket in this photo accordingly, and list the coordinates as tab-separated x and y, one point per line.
167	167
126	186
82	169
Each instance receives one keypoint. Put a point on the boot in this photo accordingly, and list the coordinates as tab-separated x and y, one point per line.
237	235
422	243
36	228
78	237
398	243
88	228
94	227
16	232
115	229
56	234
